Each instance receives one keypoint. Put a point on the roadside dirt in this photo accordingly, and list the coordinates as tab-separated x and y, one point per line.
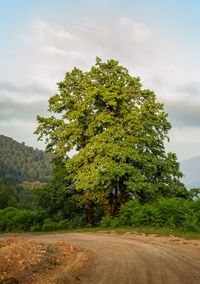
129	258
27	261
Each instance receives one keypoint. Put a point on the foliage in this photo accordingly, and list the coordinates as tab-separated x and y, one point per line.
195	193
58	201
15	220
16	196
20	163
49	225
22	169
35	228
173	213
65	224
109	221
7	196
118	131
54	197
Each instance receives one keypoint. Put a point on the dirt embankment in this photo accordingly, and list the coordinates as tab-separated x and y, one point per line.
129	258
27	261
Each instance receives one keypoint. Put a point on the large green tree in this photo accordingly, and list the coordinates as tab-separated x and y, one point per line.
117	130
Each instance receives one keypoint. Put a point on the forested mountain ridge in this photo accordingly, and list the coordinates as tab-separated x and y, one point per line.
19	163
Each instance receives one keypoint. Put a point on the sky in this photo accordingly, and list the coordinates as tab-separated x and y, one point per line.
41	40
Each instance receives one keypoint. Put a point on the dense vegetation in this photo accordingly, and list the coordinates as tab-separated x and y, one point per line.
15	220
17	196
19	163
118	131
22	169
56	209
172	213
120	174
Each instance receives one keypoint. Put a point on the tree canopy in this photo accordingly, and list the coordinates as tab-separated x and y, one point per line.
117	130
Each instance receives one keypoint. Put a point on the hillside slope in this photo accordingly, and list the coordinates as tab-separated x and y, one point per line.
19	163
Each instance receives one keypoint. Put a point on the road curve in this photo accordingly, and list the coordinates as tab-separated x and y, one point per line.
124	260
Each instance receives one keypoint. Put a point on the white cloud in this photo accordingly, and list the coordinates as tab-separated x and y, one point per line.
185	142
161	64
185	135
54	50
24	111
191	88
183	110
138	31
21	131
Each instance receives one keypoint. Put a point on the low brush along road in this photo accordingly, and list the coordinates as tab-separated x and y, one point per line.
131	258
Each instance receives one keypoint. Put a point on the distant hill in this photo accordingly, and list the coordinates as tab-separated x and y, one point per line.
19	163
191	169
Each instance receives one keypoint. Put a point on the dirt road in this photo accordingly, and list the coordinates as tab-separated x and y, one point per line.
132	258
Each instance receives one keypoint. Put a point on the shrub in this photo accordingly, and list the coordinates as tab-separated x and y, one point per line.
39	217
15	220
106	221
191	223
173	213
49	225
65	224
22	221
79	221
35	228
6	216
126	211
109	221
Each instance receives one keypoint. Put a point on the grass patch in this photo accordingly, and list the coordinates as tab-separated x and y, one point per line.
165	232
162	232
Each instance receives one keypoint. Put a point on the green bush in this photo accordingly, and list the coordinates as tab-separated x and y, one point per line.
173	213
126	211
106	221
191	224
79	221
22	221
35	228
39	217
109	221
49	225
6	216
15	220
65	224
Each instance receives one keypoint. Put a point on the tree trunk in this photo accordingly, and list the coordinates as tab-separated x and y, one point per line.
90	213
106	208
108	205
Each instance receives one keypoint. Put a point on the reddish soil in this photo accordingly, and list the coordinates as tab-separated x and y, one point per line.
129	258
27	261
